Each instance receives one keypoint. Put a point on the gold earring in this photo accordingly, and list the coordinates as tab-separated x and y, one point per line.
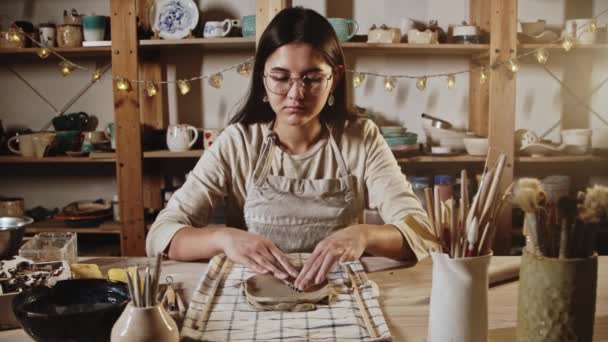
265	98
331	100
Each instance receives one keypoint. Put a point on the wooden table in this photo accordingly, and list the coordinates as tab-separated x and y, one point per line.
404	296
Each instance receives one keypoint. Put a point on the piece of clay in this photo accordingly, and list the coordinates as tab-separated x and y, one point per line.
265	292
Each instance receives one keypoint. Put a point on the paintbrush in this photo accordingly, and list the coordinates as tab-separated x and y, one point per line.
131	289
156	277
472	236
137	289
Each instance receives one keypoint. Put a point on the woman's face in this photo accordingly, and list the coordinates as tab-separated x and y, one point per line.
298	82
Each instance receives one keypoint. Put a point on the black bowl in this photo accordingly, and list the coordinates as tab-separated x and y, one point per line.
72	310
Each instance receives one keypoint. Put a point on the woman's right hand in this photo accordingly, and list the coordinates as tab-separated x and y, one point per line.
256	252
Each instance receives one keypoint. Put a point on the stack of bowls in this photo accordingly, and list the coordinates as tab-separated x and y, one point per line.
398	139
577	141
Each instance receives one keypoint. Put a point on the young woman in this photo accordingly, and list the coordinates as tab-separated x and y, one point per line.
295	170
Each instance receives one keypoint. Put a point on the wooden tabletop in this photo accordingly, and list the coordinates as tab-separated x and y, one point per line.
404	295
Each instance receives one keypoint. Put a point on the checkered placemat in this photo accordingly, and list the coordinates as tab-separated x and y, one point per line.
230	318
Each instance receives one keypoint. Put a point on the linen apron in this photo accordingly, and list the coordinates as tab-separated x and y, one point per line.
296	214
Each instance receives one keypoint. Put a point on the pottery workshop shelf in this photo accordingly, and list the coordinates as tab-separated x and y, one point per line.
475	159
66	52
430	49
230	43
170	154
51	160
58	226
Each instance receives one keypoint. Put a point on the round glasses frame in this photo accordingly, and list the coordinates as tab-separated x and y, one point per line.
300	80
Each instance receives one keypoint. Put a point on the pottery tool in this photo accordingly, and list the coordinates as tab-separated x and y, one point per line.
147	290
131	289
204	314
156	277
371	329
472	236
527	195
137	289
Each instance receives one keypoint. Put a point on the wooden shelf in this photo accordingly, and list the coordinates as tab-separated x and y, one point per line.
58	226
66	52
63	159
583	47
227	43
473	159
169	154
430	49
564	159
441	159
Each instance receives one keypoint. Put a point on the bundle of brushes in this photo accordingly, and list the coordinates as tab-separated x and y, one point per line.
466	228
144	292
565	229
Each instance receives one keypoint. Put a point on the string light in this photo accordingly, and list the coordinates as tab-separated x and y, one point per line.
13	36
358	79
97	75
483	77
592	27
421	83
66	68
43	53
390	83
216	80
568	43
184	86
122	84
513	66
542	55
451	81
151	90
244	69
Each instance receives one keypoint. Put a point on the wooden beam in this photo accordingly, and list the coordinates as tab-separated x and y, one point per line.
503	46
479	93
265	11
128	135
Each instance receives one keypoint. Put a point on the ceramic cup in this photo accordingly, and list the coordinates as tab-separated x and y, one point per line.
345	28
533	28
47	35
209	136
217	28
94	27
32	145
580	30
111	134
248	26
69	35
181	137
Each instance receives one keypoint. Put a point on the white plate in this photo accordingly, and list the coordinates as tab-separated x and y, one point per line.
541	149
174	19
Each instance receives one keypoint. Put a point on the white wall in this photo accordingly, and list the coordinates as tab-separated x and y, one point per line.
539	98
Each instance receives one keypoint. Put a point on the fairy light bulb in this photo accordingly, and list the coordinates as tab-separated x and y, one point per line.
390	83
216	80
592	27
568	43
122	84
513	66
358	79
97	75
184	86
13	36
421	83
151	90
43	53
483	77
244	69
542	55
66	68
451	81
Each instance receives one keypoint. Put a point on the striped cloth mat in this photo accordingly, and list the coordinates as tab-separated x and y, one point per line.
230	318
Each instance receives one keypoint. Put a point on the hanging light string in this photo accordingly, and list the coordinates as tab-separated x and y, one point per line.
244	68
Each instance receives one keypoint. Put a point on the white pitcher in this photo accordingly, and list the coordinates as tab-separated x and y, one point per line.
181	137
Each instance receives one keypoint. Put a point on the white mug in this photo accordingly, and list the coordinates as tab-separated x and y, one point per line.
179	138
217	28
47	36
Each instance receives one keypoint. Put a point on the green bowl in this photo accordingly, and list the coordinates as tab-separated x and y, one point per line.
406	139
392	130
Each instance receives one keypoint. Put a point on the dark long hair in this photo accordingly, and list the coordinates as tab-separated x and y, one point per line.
296	25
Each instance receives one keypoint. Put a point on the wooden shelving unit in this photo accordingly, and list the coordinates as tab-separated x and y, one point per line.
68	52
59	226
204	43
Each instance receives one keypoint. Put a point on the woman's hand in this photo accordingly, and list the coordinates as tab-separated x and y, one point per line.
256	252
346	244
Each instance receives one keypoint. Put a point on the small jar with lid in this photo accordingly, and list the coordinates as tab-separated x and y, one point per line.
445	185
418	186
466	34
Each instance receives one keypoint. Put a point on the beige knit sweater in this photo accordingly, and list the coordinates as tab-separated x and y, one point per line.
222	174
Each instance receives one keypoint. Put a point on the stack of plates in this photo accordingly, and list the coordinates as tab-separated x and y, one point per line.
85	214
398	139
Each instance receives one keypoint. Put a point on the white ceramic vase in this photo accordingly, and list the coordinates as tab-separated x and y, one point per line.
149	324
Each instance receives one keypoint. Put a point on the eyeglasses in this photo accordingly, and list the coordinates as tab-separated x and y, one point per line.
312	83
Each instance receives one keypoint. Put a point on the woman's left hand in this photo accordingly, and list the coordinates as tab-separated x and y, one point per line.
346	244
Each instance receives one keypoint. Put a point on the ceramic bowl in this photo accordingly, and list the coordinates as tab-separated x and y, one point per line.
11	234
577	141
599	139
455	144
392	130
436	134
476	146
72	310
533	28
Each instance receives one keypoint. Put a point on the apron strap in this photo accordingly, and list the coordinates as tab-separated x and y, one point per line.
342	168
264	163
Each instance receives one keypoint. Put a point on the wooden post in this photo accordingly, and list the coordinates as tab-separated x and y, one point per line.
479	93
265	11
128	135
503	46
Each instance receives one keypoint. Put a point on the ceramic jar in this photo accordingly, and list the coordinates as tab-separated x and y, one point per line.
147	324
69	35
181	137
